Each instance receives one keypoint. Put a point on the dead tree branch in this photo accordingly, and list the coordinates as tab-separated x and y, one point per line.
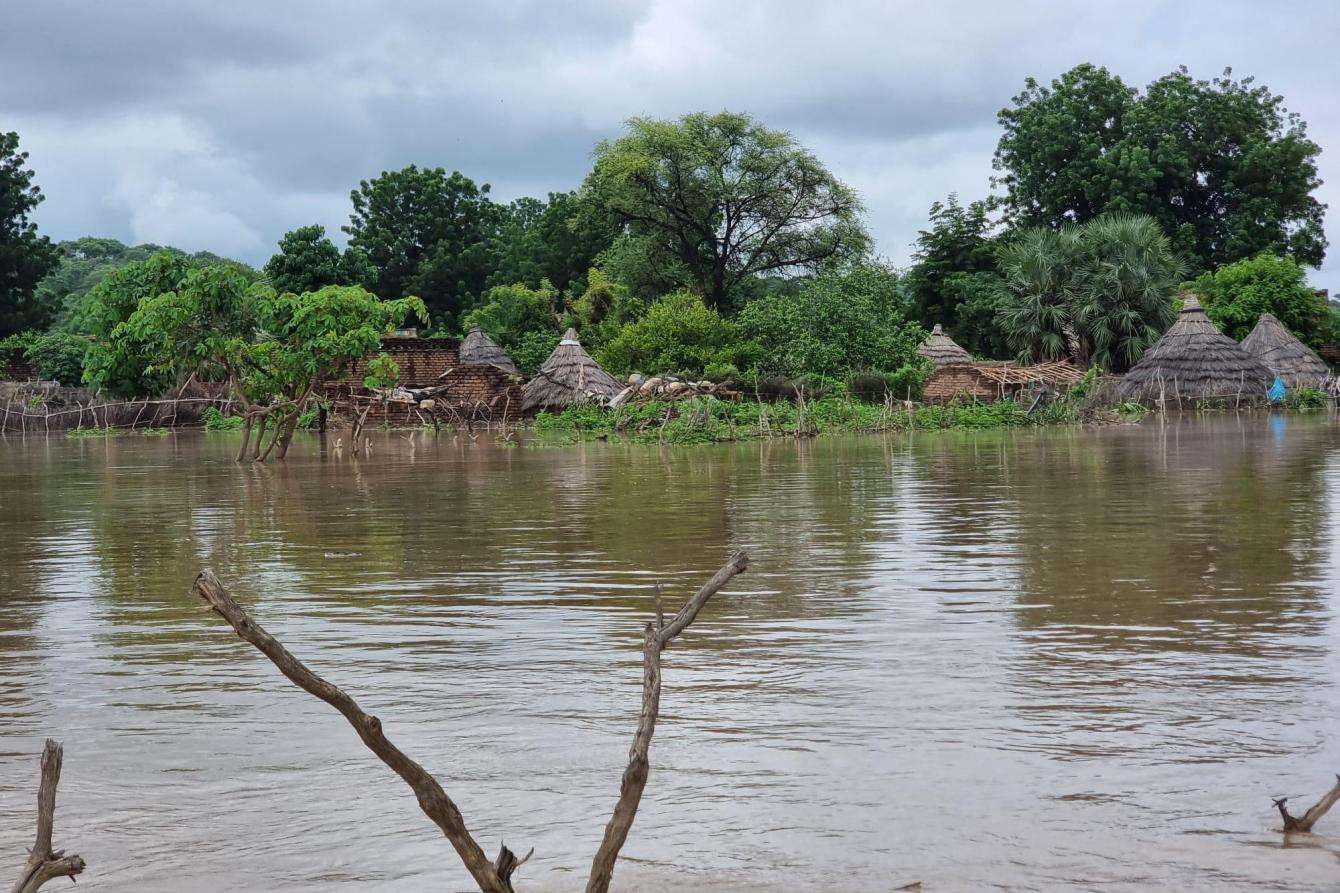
433	800
657	637
1313	815
44	863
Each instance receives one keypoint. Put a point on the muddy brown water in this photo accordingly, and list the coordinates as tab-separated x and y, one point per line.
1067	659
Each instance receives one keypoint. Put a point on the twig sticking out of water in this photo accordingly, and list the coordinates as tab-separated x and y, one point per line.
496	876
44	863
1311	817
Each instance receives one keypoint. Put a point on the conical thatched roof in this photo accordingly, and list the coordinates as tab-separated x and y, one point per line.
1284	355
479	349
568	377
1195	361
941	350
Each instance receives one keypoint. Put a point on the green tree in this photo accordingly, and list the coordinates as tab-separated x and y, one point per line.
427	233
1236	295
522	320
1099	293
58	356
25	256
959	241
308	260
724	199
1223	167
845	321
977	299
678	335
558	240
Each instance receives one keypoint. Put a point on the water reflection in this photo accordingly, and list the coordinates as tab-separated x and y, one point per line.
1024	658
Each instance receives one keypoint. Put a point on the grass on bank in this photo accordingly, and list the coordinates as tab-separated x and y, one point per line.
708	420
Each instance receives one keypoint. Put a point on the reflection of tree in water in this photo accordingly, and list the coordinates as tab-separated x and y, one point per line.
1168	577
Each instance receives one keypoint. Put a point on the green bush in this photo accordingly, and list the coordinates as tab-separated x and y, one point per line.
1237	294
522	321
58	356
216	421
843	322
1307	398
383	372
678	335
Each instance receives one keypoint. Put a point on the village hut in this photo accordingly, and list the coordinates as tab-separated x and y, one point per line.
998	380
941	350
1195	361
569	377
1285	356
478	349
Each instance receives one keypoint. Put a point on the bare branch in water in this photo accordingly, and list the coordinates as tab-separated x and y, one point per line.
44	863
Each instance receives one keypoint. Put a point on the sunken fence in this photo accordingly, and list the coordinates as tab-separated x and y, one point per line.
41	407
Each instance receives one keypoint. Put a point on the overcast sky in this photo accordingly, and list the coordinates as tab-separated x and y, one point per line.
220	125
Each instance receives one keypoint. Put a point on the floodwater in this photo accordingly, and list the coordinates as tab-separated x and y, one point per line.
1066	659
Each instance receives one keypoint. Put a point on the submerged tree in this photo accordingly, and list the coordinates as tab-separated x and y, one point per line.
724	199
491	876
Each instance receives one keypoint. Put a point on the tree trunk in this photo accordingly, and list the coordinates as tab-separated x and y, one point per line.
44	863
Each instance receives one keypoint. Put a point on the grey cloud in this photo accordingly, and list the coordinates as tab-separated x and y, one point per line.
237	121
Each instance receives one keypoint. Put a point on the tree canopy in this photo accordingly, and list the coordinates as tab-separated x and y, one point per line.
308	260
1236	295
25	255
724	199
1222	166
428	233
1099	293
959	241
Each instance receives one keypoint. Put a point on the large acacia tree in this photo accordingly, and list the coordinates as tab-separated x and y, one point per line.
722	199
25	256
1222	165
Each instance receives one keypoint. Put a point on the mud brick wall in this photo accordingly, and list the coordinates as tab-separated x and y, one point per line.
421	361
949	382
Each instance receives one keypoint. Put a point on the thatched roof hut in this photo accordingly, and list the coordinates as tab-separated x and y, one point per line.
941	350
1284	355
481	350
1195	361
569	377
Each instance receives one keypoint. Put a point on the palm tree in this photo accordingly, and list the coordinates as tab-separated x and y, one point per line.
1036	266
1099	293
1122	288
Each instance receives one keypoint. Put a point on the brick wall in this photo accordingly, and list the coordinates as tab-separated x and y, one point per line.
474	392
949	382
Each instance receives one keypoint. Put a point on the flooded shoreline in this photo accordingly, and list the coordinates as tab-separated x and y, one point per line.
1056	658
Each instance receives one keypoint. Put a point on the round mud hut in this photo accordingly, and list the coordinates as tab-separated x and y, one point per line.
568	377
1195	361
1285	356
478	349
942	350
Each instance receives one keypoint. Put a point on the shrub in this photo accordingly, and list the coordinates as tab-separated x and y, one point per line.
868	386
1237	294
845	321
774	387
521	320
215	420
679	335
383	372
1307	398
59	356
721	372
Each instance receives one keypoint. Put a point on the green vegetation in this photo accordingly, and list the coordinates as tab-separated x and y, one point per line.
1236	295
707	420
1099	293
308	260
713	201
711	246
1306	398
25	256
215	420
1222	166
